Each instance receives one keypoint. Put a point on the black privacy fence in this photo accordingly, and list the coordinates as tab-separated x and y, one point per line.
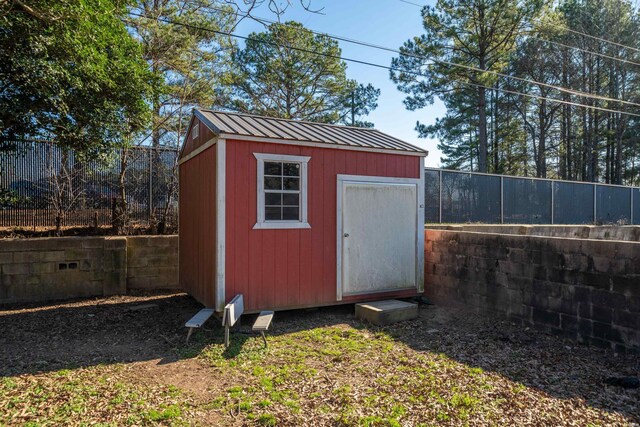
45	185
467	197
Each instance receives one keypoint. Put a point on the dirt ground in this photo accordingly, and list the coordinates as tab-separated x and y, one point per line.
124	361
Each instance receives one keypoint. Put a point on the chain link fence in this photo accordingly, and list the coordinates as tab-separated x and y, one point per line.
467	197
45	185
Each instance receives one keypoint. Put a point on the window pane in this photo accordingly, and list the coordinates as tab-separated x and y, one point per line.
273	213
273	198
291	213
272	168
291	169
291	184
290	199
273	183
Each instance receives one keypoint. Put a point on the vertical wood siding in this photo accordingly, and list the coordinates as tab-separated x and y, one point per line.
197	220
204	135
293	268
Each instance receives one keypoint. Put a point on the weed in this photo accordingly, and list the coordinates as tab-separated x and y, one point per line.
267	420
475	371
166	413
264	403
244	406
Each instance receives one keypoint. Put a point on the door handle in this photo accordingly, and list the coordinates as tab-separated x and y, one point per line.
346	234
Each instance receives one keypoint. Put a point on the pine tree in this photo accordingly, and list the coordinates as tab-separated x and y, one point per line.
291	73
475	33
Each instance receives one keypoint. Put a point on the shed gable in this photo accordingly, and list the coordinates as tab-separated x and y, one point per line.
194	140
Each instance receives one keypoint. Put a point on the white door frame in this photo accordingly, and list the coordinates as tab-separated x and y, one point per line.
419	183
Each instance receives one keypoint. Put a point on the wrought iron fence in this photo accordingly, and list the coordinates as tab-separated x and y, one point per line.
45	185
468	197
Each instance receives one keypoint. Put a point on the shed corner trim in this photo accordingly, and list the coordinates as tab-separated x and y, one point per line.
221	185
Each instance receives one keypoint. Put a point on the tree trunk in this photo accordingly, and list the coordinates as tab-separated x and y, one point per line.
541	160
482	130
494	125
596	127
565	159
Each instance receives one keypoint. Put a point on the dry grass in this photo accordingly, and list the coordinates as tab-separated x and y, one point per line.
101	395
324	367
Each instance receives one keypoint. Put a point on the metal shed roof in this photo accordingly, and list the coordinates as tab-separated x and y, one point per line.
246	125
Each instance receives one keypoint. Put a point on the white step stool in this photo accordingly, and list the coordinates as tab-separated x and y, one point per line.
198	320
262	324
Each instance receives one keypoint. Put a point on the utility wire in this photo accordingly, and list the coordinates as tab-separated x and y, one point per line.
571	30
412	3
455	64
602	55
168	21
156	127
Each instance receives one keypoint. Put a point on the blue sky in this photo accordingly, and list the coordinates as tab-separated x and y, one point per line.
384	22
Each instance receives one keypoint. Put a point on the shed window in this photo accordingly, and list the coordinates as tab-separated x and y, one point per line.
195	131
282	191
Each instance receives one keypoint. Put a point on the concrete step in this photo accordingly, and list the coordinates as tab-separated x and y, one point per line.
386	312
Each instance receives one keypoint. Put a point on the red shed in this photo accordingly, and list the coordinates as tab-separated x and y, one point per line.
296	214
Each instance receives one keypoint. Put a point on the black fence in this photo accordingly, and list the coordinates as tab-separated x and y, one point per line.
466	197
45	185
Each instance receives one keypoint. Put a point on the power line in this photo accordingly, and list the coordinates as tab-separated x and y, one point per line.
454	64
603	55
565	28
571	30
156	127
412	3
592	107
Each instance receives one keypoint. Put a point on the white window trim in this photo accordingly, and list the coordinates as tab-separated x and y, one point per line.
269	225
195	130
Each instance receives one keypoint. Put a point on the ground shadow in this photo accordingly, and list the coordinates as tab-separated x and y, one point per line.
91	332
561	368
125	329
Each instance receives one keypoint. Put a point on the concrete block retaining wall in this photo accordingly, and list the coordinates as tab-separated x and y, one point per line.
47	269
152	262
587	290
629	233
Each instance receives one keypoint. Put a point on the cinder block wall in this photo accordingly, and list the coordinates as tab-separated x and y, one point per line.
48	269
587	290
152	262
599	232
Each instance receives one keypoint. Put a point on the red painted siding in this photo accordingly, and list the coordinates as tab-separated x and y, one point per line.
293	268
204	134
197	223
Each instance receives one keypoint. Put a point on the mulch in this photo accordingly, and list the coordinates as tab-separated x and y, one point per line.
556	376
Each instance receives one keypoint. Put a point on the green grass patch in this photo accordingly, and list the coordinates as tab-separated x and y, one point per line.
96	396
379	376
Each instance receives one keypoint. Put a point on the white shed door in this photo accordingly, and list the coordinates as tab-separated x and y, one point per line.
377	236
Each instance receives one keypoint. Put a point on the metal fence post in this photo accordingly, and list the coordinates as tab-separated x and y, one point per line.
501	199
553	202
595	204
150	186
440	197
631	216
